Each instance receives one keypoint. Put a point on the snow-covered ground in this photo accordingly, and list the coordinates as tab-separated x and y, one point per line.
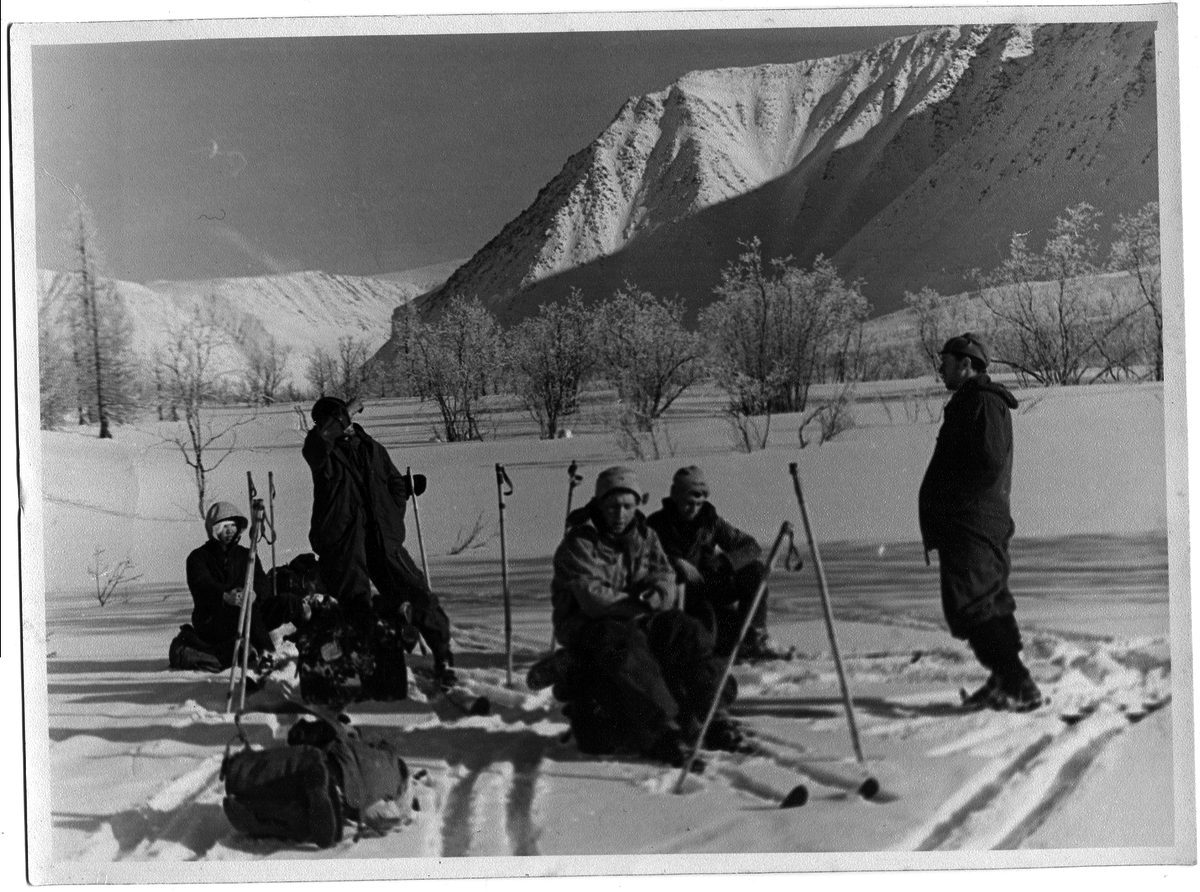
130	751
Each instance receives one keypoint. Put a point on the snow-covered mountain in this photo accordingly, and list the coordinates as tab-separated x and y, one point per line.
909	165
301	311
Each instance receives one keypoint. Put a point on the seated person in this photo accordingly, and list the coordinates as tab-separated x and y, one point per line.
216	575
719	565
636	673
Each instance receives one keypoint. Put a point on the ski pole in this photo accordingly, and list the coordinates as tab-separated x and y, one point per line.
408	478
504	488
870	786
241	645
785	532
574	478
271	502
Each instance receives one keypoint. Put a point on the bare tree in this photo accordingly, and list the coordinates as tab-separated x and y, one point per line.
194	381
321	371
1048	323
266	360
777	329
351	366
110	577
938	318
1136	251
455	361
550	355
647	354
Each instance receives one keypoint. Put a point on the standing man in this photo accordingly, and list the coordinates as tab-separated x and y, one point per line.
965	517
719	565
357	531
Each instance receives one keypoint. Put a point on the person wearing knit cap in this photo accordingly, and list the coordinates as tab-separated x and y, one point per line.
965	516
636	672
357	531
216	575
719	565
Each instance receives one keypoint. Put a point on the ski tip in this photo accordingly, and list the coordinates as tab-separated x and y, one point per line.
869	788
796	798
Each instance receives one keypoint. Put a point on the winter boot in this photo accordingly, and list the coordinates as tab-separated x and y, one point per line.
443	671
982	697
1024	696
725	734
670	748
549	670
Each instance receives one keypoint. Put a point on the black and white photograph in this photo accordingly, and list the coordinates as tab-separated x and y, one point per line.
713	441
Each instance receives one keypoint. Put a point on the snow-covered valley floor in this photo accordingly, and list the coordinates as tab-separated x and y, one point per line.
133	750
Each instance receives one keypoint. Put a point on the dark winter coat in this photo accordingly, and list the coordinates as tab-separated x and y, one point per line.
599	575
708	542
213	569
964	504
354	484
970	475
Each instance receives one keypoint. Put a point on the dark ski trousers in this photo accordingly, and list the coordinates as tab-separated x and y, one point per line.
642	676
974	563
722	605
997	645
347	576
266	614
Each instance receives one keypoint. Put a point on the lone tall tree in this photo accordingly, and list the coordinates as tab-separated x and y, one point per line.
101	334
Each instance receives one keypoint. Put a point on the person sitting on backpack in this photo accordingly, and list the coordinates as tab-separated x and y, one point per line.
216	577
719	565
637	673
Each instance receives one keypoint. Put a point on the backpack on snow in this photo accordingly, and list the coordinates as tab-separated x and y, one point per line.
189	651
368	773
305	791
284	793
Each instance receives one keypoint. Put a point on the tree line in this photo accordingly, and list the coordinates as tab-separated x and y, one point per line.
1060	314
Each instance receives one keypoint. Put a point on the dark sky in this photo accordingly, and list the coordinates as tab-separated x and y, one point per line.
349	154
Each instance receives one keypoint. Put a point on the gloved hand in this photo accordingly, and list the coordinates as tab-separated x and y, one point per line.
716	566
685	571
418	484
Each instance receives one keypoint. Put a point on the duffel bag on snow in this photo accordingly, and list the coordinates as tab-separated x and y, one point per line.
285	793
189	651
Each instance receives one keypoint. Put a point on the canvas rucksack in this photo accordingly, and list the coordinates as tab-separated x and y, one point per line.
370	775
285	793
305	791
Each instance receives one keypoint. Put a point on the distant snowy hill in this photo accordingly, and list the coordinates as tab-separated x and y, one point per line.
908	164
303	311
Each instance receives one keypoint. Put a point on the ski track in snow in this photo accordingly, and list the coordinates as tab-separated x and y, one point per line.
485	801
